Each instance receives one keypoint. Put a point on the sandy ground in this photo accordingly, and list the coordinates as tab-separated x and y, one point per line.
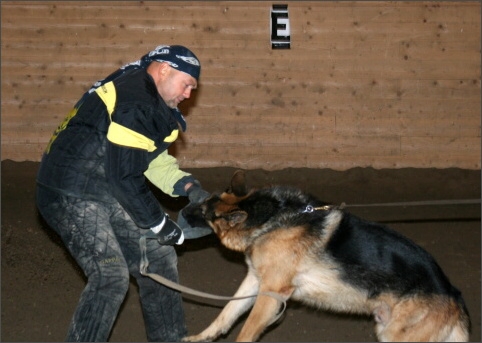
41	283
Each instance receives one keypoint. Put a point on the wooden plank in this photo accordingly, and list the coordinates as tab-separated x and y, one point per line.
386	12
293	142
161	10
272	160
326	11
22	151
431	126
390	108
375	68
239	157
280	95
450	145
204	111
363	88
345	125
49	113
219	26
333	39
388	61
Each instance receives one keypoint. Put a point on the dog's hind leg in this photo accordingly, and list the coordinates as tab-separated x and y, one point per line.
231	312
424	319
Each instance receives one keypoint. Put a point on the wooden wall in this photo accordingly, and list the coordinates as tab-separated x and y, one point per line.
365	84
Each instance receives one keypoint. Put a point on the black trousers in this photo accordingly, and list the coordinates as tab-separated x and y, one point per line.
104	241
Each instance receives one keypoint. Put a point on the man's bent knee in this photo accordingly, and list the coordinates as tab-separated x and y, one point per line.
112	276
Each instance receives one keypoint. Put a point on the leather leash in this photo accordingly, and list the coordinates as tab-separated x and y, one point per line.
173	285
310	208
419	203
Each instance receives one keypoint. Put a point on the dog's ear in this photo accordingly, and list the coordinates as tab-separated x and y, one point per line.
236	217
238	183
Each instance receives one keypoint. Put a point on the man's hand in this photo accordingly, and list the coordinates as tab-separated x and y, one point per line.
167	233
196	194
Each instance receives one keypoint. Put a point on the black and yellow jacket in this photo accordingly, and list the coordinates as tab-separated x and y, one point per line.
110	143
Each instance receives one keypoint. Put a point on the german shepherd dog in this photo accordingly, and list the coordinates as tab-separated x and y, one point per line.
301	248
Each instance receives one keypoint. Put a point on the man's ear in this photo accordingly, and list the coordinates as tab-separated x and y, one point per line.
236	217
158	70
163	69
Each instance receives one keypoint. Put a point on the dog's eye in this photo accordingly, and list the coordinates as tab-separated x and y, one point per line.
212	217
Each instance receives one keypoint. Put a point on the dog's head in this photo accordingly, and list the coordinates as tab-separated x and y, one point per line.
240	216
223	214
225	205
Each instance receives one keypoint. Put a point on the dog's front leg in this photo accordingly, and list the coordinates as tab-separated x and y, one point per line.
262	315
232	311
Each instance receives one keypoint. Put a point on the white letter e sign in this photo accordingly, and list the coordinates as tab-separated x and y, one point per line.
280	27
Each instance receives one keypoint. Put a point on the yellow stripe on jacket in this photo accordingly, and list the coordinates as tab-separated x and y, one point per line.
120	134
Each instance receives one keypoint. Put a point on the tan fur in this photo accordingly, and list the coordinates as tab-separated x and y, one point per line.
423	319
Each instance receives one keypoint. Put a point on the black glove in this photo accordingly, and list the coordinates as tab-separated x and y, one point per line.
190	218
196	194
168	232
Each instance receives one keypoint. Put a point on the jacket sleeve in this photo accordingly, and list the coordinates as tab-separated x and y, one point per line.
125	168
165	174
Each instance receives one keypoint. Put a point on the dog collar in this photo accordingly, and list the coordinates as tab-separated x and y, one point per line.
311	209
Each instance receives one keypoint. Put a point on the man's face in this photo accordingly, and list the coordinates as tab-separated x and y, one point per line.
174	86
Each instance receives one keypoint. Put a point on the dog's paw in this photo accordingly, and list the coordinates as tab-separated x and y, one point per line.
195	338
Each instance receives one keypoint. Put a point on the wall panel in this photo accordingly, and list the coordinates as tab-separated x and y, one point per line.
365	84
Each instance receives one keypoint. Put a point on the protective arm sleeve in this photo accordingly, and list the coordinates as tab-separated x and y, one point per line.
165	174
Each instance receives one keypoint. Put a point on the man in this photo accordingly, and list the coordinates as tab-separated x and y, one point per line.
92	190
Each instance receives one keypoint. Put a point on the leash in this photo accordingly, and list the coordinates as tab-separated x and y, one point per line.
419	203
173	285
310	208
